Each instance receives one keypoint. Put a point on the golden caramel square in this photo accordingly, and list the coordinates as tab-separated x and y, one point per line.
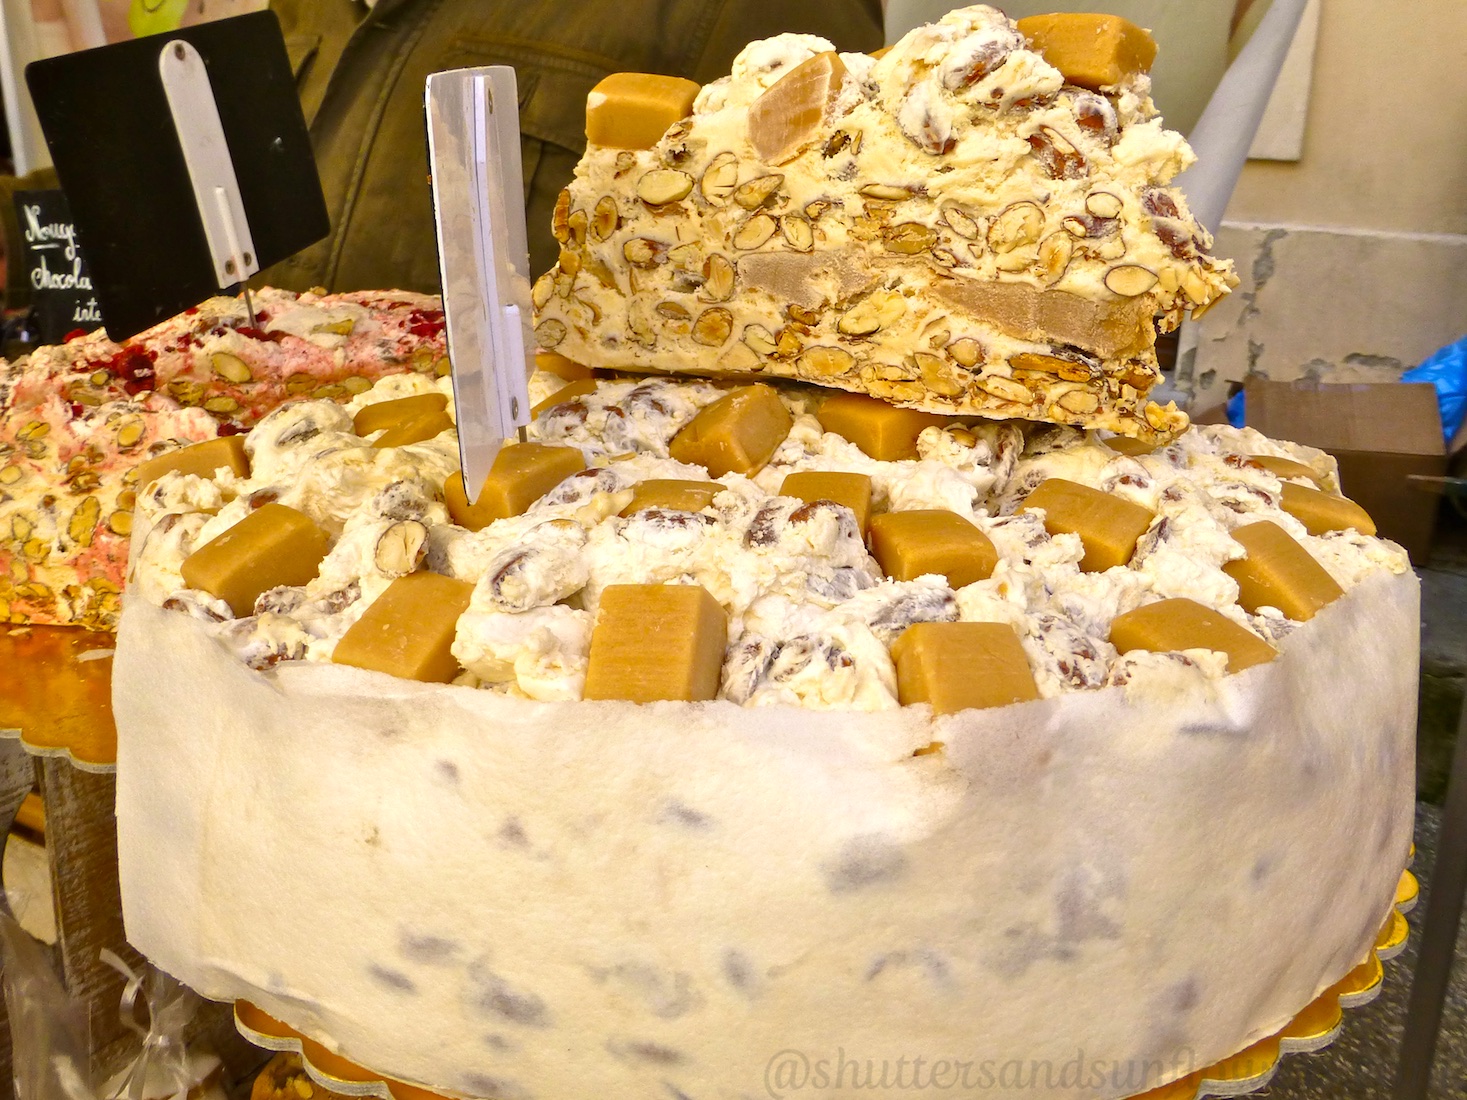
1169	626
566	393
672	494
912	544
656	641
400	411
882	431
1285	468
408	630
634	110
791	112
962	666
851	490
272	546
1322	512
522	473
1280	573
553	363
737	434
1108	526
1091	50
200	459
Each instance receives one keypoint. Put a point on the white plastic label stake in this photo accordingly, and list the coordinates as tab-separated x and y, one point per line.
483	257
210	168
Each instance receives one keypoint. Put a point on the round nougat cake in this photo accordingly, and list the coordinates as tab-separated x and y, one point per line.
498	888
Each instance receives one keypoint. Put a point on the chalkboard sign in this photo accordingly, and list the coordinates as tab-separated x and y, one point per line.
111	133
62	296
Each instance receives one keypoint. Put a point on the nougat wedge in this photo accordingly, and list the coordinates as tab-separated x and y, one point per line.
951	227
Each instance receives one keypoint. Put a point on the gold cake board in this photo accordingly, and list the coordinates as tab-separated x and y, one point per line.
61	702
1249	1070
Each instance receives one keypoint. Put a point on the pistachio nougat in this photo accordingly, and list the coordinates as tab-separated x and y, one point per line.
958	226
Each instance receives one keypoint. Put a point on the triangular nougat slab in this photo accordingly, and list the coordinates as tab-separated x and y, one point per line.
953	227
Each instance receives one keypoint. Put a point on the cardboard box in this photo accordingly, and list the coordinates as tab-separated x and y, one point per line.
1378	432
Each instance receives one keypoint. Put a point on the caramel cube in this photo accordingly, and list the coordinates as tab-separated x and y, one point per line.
791	112
200	459
1132	448
1107	525
1322	512
634	110
408	630
736	434
565	393
271	546
852	490
883	432
1091	50
1280	573
909	545
1171	625
1284	467
656	641
672	495
392	414
962	666
418	430
553	363
522	473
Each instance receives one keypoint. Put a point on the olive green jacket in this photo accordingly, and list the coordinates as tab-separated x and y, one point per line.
361	75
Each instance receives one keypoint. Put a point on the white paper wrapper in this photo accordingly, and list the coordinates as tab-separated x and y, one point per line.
491	896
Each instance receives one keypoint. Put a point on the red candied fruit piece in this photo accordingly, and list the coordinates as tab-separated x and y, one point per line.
74	334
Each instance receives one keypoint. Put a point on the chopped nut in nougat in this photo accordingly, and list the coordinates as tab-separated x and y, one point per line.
1107	525
393	414
656	641
271	546
791	112
882	431
561	367
1280	573
1091	50
565	393
852	490
200	459
959	666
634	110
909	545
736	434
1321	512
1132	448
522	473
672	495
408	631
420	428
1171	625
1284	467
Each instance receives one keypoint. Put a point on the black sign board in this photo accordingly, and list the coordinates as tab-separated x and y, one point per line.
112	137
62	298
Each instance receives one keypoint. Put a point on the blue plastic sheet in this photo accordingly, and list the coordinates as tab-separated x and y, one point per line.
1447	371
